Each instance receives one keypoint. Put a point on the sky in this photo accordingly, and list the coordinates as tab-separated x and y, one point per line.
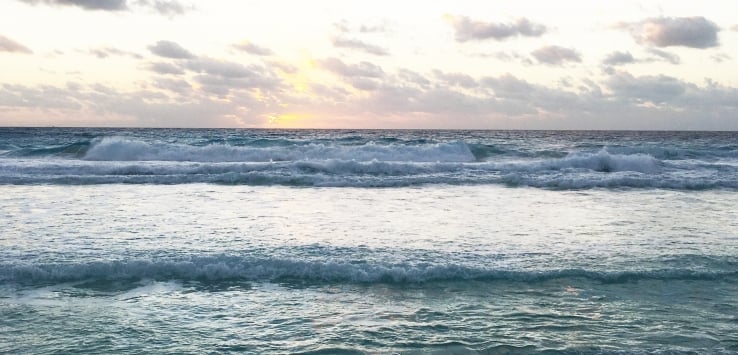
662	65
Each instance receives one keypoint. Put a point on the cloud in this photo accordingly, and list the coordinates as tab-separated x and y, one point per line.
555	55
167	8
165	68
343	26
693	32
104	52
254	49
106	5
179	86
734	28
665	56
720	57
362	69
220	76
647	88
341	42
467	29
163	7
9	45
456	79
618	58
169	49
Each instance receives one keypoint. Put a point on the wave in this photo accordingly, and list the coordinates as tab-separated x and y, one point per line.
576	171
124	149
217	268
72	150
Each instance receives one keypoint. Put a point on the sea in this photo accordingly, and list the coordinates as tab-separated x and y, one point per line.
192	241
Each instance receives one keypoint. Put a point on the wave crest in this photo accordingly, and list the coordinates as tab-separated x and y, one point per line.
123	149
269	269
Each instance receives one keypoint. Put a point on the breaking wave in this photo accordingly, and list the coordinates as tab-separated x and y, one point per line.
218	268
372	161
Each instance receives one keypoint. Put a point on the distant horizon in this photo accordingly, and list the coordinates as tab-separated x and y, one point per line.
381	129
526	65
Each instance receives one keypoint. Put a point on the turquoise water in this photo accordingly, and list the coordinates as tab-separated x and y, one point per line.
133	241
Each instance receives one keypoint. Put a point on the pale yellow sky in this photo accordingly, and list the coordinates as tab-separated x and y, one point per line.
380	64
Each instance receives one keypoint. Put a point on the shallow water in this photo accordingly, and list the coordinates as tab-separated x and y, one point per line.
192	268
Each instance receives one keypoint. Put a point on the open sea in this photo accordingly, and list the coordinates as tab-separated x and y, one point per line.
357	241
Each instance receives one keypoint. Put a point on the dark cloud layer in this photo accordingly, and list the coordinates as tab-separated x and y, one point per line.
9	45
694	32
555	55
467	29
169	49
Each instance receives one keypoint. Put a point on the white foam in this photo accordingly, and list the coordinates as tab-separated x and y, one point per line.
123	149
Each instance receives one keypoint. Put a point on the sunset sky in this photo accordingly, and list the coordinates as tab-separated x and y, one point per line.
371	64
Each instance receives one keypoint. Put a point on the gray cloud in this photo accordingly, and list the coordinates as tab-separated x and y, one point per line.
104	52
555	55
456	79
734	28
167	8
618	58
467	29
653	88
665	56
694	32
342	42
220	76
164	7
384	27
412	77
254	49
169	49
9	45
343	26
179	86
721	57
106	5
362	69
165	68
363	83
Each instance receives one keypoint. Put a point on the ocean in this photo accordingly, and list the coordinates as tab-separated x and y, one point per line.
367	241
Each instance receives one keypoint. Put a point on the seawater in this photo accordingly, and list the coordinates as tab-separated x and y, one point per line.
326	241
